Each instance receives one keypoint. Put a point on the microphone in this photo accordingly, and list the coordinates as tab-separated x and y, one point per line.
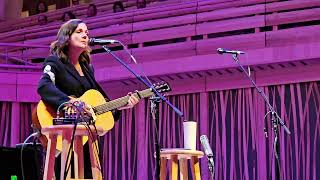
94	41
223	51
206	147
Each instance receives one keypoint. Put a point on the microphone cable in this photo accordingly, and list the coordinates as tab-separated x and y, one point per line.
97	145
90	135
135	61
35	134
68	164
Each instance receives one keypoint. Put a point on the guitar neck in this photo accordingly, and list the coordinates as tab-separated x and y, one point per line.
116	103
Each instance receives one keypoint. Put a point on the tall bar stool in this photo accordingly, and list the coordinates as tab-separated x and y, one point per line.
65	131
182	156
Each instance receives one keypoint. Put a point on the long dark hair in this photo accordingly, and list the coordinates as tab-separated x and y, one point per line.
60	46
94	9
117	4
68	13
45	7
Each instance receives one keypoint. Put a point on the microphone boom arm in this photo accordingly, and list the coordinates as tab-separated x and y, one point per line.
144	82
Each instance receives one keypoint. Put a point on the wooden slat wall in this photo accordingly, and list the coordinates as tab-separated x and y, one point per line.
203	19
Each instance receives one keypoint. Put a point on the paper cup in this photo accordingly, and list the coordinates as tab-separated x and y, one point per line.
189	134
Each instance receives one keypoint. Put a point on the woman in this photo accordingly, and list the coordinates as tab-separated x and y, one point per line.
42	20
41	7
68	70
67	16
141	4
92	10
75	2
118	7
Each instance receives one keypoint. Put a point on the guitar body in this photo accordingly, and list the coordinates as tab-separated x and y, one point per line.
45	114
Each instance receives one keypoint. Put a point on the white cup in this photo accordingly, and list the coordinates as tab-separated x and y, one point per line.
190	134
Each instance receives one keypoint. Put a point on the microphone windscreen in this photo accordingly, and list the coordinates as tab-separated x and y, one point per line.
91	42
220	51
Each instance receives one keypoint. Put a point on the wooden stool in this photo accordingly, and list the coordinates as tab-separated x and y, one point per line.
52	132
181	155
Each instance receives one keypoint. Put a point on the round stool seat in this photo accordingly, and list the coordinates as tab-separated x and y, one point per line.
181	153
82	130
181	156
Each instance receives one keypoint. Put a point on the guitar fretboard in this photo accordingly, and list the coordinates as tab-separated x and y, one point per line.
116	103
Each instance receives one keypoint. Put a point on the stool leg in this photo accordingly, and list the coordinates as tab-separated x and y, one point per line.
94	157
78	158
50	157
66	142
174	167
183	169
195	168
163	168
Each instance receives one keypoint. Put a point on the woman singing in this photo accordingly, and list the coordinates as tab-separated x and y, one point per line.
68	70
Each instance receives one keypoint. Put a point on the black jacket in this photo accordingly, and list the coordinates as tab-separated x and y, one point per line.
60	80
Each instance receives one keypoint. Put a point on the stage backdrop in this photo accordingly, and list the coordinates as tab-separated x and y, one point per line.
233	120
235	128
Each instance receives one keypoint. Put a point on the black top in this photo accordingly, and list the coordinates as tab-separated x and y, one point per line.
86	84
61	79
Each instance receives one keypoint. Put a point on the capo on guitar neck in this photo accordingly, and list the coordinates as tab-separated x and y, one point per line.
138	94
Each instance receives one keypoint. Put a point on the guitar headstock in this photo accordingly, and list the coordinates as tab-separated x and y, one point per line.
162	87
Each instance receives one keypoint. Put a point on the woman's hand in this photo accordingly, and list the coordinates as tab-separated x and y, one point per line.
131	102
83	107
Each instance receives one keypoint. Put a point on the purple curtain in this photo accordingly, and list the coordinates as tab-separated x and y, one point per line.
15	122
120	148
124	159
25	120
170	125
234	127
5	123
236	132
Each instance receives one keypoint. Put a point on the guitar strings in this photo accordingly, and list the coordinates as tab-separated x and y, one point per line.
100	109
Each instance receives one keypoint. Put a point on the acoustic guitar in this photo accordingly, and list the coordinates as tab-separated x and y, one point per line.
43	115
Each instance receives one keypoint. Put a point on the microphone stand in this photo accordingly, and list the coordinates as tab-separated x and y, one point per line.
155	117
211	166
275	118
156	99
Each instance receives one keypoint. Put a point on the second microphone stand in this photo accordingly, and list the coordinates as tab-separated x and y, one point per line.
276	120
156	99
211	167
155	116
